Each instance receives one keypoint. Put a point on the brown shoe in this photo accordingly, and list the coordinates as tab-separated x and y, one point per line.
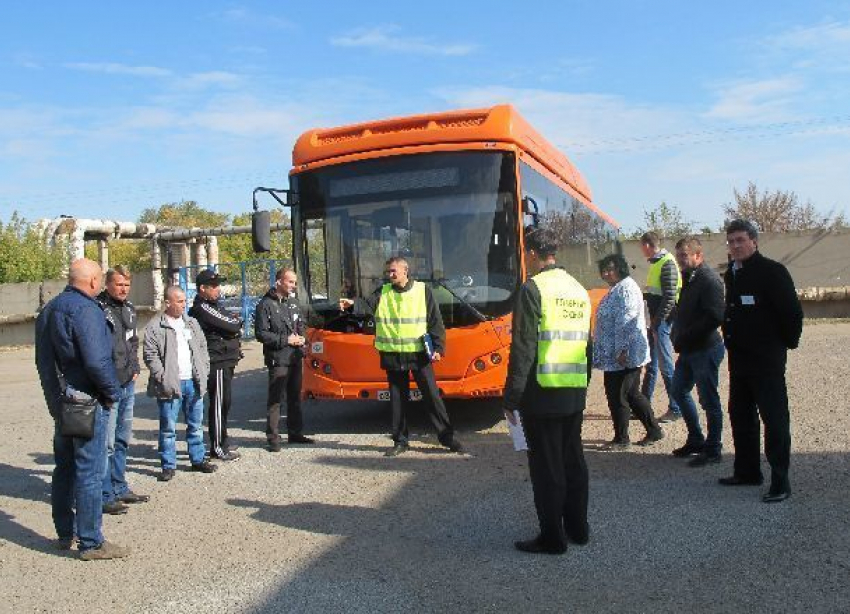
104	552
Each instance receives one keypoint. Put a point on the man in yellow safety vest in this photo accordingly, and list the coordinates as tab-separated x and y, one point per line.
547	380
663	284
405	312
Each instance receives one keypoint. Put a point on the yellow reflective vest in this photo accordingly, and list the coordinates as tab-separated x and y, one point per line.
653	277
401	319
563	330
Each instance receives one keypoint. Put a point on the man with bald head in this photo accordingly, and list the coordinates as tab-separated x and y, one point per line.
74	357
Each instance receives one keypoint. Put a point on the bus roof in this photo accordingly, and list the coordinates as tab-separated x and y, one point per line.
501	123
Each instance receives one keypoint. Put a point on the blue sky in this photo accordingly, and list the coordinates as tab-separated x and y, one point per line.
109	108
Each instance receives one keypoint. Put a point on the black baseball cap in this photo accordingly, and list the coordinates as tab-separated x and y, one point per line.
208	277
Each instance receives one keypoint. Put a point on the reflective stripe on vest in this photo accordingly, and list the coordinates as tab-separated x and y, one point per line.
563	330
401	319
653	277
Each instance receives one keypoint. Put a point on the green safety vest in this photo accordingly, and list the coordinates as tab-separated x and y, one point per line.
563	330
653	277
401	319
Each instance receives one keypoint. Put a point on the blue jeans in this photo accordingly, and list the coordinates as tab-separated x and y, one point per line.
192	404
660	359
76	484
118	434
700	369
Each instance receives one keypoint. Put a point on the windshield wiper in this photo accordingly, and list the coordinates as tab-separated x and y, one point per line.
481	317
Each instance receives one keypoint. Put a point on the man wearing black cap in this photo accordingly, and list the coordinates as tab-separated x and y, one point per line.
223	333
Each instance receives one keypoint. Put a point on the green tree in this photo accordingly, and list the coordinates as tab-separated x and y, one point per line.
185	214
666	220
236	248
778	211
24	255
133	253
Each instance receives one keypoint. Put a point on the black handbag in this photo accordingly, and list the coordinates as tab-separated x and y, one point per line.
76	416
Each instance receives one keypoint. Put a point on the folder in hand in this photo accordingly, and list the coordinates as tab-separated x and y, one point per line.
428	342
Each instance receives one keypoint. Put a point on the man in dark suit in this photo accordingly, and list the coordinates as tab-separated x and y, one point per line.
763	321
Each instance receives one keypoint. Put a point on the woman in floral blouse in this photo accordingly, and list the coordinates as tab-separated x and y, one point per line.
620	349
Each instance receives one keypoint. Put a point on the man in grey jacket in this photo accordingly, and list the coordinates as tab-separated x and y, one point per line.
175	351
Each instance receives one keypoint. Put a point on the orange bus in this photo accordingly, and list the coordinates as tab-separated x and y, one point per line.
452	193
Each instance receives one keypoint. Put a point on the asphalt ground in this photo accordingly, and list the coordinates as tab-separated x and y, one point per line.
336	527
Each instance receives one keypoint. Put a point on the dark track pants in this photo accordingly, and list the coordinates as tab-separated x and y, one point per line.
284	389
559	477
760	394
219	384
399	382
622	389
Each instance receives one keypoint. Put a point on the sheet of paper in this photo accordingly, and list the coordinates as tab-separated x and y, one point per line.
517	434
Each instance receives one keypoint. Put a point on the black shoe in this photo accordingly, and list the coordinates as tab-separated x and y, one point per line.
535	546
166	475
399	448
227	456
736	481
456	447
229	447
651	438
131	497
204	467
668	417
775	496
704	458
115	508
578	538
274	446
615	446
687	450
300	439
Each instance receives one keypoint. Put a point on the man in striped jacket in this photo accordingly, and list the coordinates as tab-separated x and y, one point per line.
223	333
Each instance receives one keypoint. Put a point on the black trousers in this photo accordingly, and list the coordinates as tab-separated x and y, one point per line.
399	382
219	384
622	390
559	477
284	389
760	394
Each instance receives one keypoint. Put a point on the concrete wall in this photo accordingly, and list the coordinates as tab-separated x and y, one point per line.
20	303
819	262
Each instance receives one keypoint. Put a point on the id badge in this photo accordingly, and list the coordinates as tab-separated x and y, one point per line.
748	299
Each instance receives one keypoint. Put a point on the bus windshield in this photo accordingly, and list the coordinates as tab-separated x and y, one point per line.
452	216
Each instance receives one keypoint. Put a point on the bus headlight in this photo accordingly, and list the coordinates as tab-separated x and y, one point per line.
496	358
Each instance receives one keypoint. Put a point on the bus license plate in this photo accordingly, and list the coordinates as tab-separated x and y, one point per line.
415	395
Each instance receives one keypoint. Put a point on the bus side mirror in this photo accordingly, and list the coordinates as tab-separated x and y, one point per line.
529	208
261	231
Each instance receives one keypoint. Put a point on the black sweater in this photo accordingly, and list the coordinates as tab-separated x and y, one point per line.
522	391
763	317
121	317
275	319
699	312
222	331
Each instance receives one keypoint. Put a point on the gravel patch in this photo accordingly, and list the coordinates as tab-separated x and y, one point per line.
338	527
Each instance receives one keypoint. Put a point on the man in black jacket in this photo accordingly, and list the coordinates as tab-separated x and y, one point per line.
223	333
413	358
121	318
551	411
279	326
763	321
696	338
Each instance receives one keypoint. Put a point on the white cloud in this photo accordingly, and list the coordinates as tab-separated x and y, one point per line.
383	38
209	79
114	68
243	16
759	101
